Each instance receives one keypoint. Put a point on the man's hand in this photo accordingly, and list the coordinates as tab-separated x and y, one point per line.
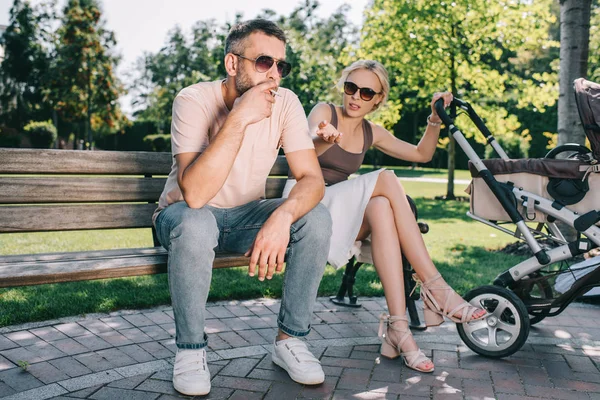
328	133
256	104
270	244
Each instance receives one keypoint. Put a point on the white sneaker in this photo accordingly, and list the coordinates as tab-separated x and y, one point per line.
190	373
293	356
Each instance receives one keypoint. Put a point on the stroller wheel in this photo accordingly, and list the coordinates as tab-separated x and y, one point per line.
504	331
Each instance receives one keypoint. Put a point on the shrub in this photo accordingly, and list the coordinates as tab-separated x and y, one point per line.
158	142
42	134
9	137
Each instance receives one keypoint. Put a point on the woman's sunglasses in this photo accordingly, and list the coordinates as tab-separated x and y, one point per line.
264	63
366	93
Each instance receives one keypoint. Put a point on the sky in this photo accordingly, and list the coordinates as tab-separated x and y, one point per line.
142	25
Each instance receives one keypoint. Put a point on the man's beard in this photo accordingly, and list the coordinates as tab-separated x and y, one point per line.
243	83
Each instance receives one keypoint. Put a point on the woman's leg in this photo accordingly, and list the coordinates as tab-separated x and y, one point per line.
409	236
387	256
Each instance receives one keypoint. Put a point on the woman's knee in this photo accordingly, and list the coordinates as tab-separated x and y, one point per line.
378	207
389	181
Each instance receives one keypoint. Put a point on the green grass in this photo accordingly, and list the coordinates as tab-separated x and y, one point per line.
459	247
419	172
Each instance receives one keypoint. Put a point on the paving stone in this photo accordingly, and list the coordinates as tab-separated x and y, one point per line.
72	329
555	393
239	367
108	393
216	343
47	372
48	333
138	320
6	390
70	367
239	311
169	328
322	391
116	323
6	343
580	364
233	339
21	354
353	395
92	342
158	317
69	346
87	381
19	380
279	391
40	393
114	338
153	349
326	331
240	383
235	324
22	338
157	386
354	379
220	312
116	358
135	335
246	395
95	326
274	375
143	368
138	352
5	364
94	361
155	332
342	351
535	376
347	362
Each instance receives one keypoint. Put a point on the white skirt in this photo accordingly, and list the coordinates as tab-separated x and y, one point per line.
347	202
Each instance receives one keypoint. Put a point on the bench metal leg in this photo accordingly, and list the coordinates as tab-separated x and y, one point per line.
347	286
409	284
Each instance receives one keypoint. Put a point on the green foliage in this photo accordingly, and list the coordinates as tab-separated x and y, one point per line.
516	146
158	142
83	78
25	66
42	134
9	137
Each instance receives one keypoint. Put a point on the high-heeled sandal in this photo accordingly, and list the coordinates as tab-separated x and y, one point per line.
390	350
434	314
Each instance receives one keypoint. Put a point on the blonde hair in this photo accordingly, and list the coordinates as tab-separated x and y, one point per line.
376	68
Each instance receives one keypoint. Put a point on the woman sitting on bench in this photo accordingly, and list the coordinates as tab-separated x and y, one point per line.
373	207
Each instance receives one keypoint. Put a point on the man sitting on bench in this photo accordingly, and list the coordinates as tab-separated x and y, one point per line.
225	139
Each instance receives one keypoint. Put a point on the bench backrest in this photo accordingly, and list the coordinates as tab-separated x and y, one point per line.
61	190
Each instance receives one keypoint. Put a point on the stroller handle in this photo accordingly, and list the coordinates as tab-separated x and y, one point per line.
441	111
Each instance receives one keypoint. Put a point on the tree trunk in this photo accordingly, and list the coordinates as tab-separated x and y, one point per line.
574	49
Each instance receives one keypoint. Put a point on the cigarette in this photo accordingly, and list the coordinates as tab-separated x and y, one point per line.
274	93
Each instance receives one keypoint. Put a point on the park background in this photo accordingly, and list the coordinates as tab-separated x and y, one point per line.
64	84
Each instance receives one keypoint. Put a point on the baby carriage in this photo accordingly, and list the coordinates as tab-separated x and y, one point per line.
532	196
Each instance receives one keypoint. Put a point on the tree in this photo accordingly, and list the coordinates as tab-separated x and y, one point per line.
469	47
24	67
574	49
83	87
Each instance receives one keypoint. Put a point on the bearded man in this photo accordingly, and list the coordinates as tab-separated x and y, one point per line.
225	138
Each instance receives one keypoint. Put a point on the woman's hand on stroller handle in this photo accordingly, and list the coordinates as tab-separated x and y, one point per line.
444	99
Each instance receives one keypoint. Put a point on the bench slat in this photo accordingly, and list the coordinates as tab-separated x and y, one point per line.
82	190
79	190
75	217
36	273
37	161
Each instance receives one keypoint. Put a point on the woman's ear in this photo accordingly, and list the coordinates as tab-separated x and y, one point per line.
231	65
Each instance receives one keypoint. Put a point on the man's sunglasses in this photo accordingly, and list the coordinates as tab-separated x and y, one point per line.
366	93
264	63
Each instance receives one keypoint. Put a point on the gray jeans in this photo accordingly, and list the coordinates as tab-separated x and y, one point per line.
192	236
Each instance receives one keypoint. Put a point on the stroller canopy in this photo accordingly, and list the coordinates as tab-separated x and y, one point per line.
587	96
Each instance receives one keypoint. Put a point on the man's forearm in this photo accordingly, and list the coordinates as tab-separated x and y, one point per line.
304	196
204	177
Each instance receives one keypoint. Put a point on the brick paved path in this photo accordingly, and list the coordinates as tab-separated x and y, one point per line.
129	355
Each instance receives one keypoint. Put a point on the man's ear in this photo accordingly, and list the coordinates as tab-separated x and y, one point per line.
231	64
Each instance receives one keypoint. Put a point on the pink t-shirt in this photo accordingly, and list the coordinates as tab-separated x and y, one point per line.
199	112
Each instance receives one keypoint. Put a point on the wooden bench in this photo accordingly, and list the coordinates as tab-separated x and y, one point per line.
66	190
